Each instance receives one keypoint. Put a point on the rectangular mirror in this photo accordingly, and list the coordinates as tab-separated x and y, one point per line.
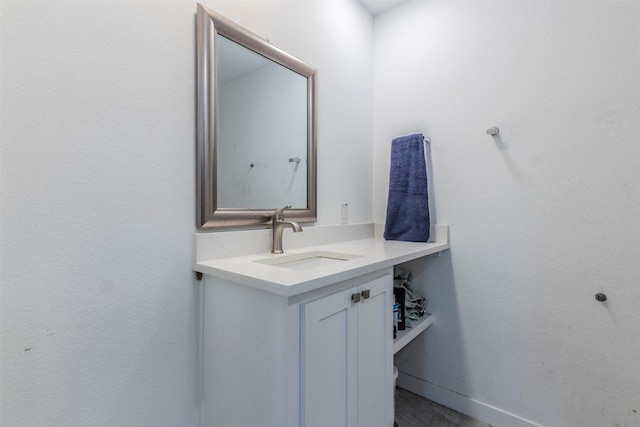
256	141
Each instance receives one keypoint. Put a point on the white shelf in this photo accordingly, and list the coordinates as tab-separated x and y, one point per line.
405	337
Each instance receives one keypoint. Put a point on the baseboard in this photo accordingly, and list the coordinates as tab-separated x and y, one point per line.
463	404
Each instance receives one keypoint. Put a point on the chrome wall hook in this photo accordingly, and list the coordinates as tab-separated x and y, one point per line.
493	131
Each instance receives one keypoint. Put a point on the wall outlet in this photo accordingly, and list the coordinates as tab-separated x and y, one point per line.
344	213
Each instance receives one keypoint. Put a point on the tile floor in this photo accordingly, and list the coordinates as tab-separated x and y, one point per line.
416	411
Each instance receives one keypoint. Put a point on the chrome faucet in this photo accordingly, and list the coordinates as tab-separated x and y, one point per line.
278	224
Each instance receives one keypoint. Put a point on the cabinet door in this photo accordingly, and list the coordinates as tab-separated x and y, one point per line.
347	358
375	353
329	364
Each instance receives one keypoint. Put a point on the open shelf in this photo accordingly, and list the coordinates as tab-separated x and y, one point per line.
405	337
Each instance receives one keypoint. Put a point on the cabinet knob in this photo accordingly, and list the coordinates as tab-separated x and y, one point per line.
366	294
355	298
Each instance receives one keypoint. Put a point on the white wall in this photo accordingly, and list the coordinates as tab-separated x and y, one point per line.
99	311
541	218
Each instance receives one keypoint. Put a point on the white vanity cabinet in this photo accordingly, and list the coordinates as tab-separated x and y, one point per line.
347	357
284	345
313	360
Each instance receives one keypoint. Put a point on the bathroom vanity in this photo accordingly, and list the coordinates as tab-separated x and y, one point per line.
304	338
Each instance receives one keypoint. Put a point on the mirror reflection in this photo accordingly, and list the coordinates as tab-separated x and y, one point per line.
256	142
261	133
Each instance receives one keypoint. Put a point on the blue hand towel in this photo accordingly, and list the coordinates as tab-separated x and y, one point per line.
408	203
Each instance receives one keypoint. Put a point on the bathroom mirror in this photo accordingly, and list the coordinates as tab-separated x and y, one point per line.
256	141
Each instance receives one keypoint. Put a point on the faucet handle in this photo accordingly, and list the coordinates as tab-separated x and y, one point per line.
279	213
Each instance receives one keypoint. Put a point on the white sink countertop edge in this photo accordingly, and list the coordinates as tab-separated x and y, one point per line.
374	254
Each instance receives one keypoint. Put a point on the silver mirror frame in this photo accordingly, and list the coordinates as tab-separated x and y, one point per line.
209	215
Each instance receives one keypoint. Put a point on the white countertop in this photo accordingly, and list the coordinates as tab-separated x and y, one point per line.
373	254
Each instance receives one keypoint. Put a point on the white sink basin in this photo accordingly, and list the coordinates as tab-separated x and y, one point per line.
306	260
